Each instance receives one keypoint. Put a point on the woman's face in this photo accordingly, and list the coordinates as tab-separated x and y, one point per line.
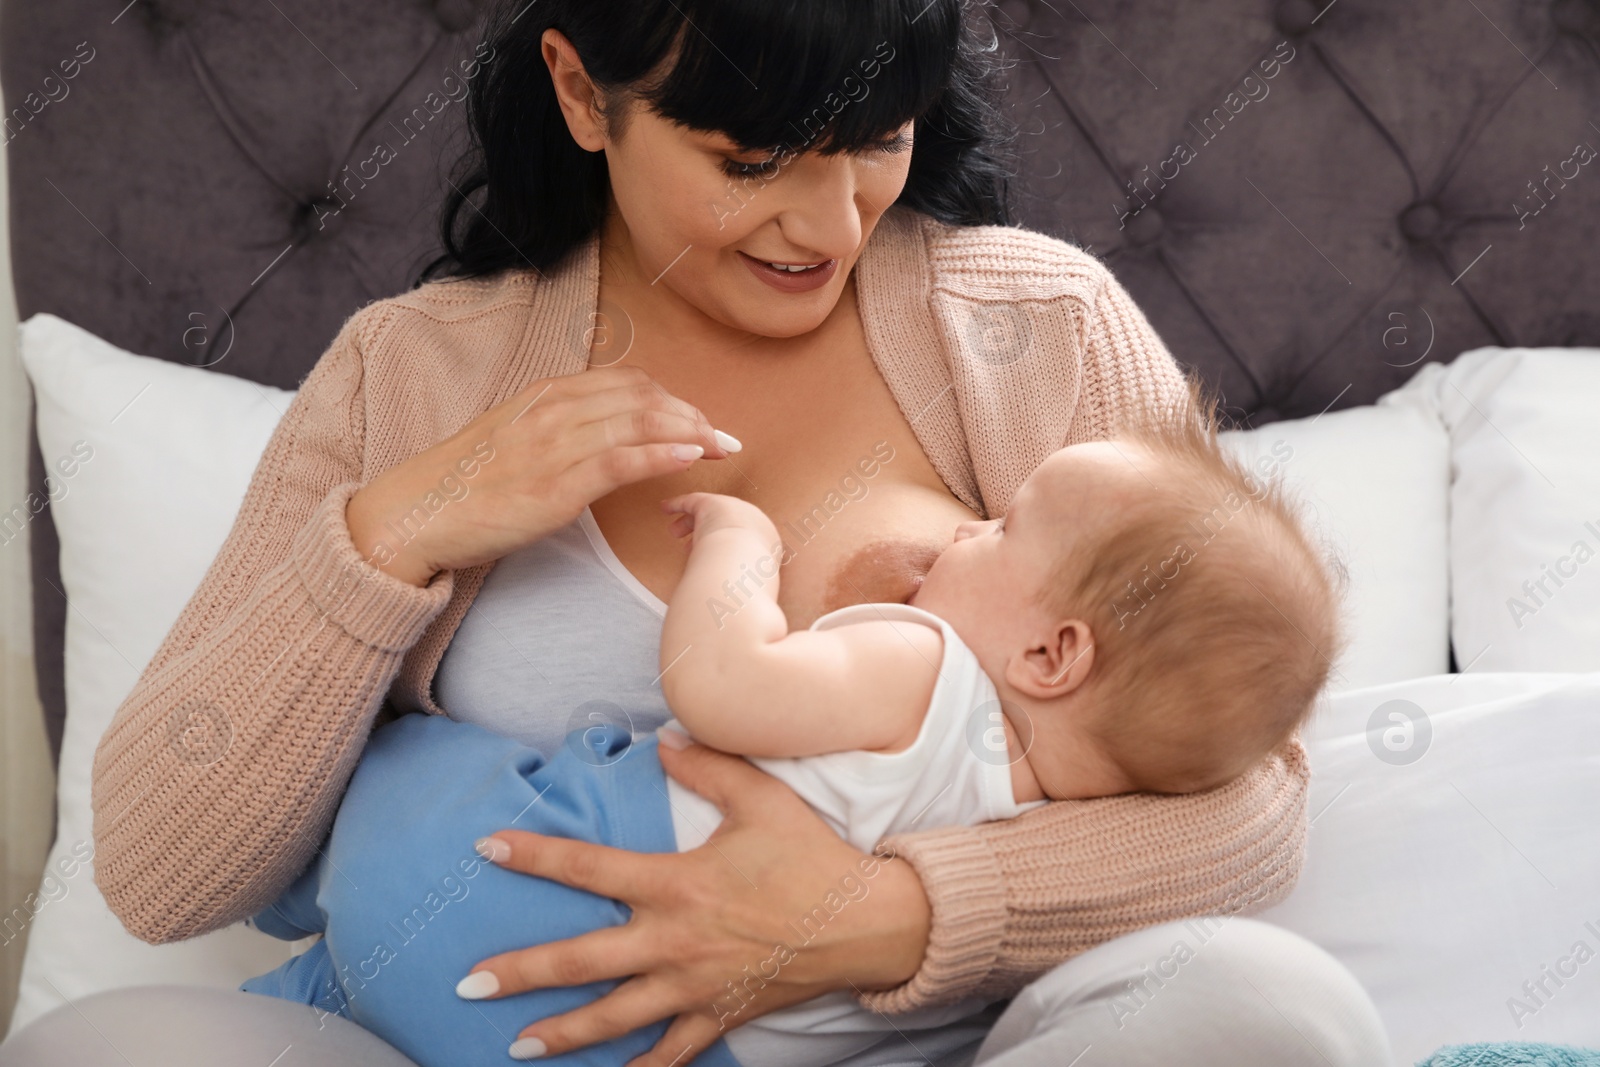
706	220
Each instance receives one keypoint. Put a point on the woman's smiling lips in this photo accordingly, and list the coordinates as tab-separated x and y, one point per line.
791	281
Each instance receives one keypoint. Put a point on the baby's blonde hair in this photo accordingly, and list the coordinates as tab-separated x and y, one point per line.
1215	618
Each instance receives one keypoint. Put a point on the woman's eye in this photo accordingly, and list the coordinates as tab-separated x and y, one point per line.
764	169
734	169
898	143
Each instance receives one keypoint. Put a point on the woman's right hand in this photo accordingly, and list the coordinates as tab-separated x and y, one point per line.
523	469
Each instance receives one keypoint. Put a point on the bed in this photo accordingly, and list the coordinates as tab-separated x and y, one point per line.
1312	201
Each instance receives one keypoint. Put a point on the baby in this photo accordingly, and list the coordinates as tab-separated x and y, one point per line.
1146	616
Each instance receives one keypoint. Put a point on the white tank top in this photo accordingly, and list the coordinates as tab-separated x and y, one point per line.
560	637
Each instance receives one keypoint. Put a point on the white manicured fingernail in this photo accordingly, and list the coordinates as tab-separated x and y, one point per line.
673	737
527	1048
726	441
478	985
687	451
492	849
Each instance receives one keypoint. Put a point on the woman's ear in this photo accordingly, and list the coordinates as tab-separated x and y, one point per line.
1058	662
574	91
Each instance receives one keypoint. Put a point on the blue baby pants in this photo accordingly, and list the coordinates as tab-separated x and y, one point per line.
406	906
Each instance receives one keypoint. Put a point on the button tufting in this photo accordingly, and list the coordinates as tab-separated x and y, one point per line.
1421	221
455	15
1576	16
1146	227
314	215
1296	17
163	16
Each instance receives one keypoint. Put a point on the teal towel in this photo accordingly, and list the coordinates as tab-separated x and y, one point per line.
1512	1054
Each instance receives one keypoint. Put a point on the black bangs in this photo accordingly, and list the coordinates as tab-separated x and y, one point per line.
806	74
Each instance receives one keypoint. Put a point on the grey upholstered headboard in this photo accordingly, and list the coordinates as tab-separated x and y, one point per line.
1306	197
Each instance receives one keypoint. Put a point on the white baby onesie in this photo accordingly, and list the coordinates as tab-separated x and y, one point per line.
956	773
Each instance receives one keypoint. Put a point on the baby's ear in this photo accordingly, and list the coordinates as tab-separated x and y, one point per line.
1056	663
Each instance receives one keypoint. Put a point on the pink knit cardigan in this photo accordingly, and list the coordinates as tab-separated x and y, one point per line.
222	770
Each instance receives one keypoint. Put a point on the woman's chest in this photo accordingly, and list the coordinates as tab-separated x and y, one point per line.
832	460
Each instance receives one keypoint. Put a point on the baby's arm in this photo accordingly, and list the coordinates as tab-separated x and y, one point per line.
740	681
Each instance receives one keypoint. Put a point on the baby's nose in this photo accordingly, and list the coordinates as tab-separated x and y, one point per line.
972	528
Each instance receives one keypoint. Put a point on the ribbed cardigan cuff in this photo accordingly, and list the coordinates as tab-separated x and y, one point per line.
968	901
375	608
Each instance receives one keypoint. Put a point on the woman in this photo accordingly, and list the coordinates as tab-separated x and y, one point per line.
738	247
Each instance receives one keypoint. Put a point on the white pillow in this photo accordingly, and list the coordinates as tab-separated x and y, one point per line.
1525	505
1453	856
150	461
1373	482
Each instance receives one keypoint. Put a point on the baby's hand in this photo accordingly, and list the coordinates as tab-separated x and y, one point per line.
703	513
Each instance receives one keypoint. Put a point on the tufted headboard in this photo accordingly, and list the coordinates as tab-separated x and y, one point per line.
1306	197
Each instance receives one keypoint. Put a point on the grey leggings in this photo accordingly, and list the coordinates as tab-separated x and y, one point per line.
1206	993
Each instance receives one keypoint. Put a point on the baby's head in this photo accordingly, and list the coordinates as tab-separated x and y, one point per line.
1160	609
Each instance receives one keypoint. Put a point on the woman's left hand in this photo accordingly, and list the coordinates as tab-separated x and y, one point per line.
775	903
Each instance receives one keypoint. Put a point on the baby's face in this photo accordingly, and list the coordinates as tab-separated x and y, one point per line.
985	583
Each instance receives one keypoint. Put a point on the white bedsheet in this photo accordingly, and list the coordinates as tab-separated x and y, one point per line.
1447	881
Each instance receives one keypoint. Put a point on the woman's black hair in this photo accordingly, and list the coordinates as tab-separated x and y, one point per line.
824	75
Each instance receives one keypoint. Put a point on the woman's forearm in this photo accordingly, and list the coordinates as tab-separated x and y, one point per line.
221	770
885	947
1012	899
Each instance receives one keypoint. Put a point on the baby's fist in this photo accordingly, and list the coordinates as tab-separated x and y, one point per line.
703	513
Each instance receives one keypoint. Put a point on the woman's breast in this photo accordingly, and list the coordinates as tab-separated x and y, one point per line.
868	549
863	531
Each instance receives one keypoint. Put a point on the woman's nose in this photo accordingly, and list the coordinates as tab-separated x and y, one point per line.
821	212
